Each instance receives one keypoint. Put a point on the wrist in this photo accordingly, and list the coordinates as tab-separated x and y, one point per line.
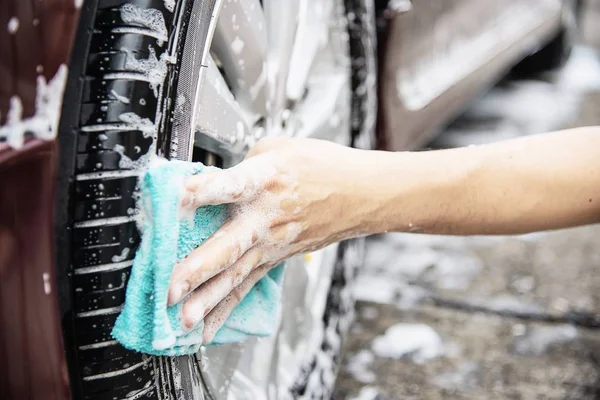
414	191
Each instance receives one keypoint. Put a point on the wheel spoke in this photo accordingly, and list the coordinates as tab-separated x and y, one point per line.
312	34
282	22
220	125
240	44
322	114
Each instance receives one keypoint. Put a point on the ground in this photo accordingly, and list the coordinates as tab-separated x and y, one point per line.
488	317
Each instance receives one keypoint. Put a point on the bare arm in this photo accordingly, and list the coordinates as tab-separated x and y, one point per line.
296	195
536	183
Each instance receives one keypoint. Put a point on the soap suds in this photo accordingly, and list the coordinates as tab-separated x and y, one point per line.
170	5
125	162
399	6
119	97
466	376
367	393
13	25
144	125
538	340
386	288
237	45
130	121
254	208
417	341
122	256
359	366
47	285
43	124
369	313
151	18
155	70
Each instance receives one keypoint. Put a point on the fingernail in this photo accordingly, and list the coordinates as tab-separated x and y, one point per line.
177	291
191	315
187	198
189	323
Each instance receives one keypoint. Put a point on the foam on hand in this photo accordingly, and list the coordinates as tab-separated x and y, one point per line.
146	323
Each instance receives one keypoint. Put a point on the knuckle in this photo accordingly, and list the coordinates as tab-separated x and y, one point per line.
277	183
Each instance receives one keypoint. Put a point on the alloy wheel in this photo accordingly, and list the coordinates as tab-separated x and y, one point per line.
277	69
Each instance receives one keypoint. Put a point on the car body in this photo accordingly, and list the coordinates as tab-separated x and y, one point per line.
433	58
438	56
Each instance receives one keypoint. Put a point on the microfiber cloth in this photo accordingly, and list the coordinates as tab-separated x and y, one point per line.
146	324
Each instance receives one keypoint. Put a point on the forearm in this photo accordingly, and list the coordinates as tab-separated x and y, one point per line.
537	183
293	196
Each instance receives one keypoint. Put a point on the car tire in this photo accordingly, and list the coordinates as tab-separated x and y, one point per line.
98	181
96	234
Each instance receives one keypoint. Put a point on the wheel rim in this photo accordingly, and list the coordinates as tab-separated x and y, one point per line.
288	76
248	83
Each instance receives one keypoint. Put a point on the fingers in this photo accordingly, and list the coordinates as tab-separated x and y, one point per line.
207	296
217	254
236	184
218	315
210	188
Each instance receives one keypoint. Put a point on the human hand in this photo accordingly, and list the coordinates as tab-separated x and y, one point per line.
289	196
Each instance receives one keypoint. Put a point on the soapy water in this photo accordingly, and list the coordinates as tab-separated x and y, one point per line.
367	393
122	256
43	124
119	97
538	340
465	376
417	341
144	125
13	25
359	366
170	5
237	45
47	283
152	19
152	68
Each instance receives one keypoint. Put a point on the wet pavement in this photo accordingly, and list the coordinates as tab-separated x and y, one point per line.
487	317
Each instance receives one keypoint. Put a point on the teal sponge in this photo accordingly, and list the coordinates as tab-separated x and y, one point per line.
146	323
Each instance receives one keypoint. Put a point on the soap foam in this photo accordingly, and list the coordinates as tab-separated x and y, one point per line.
122	256
262	237
119	97
134	121
151	18
170	5
43	124
13	25
153	68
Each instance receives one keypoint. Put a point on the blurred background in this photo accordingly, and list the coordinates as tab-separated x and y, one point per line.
488	317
